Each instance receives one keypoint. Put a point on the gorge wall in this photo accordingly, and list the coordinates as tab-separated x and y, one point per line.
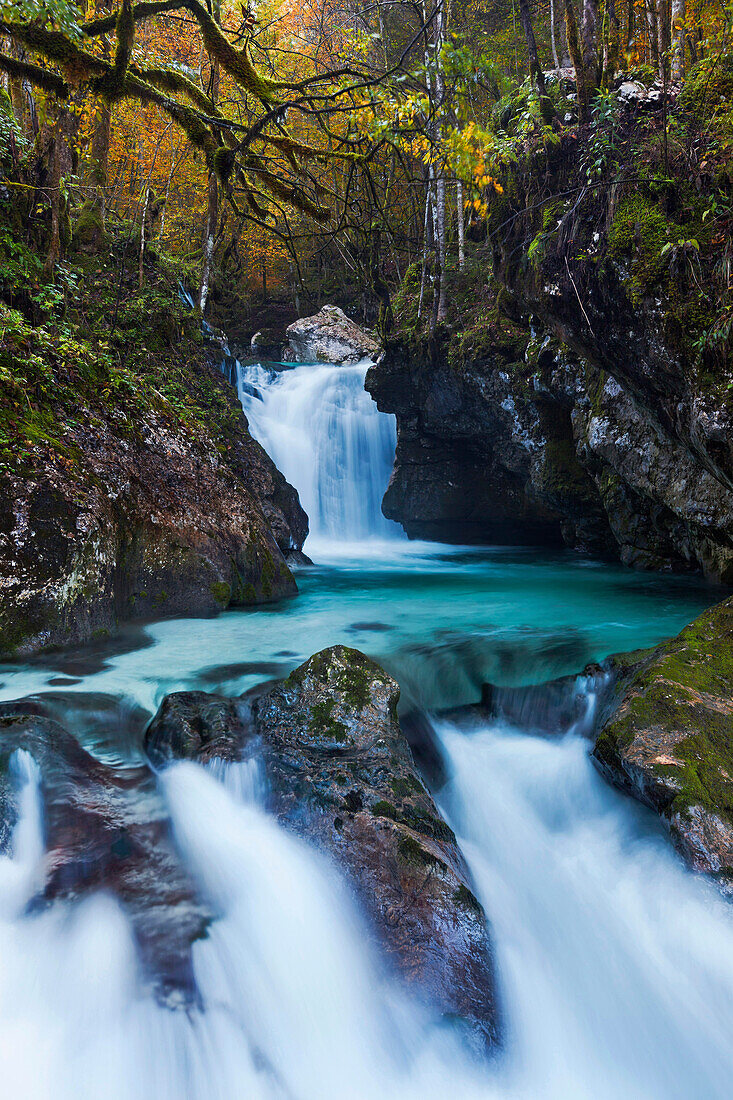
581	393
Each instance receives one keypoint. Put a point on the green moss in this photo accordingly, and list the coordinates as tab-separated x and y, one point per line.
562	475
405	785
222	593
547	233
639	232
89	226
382	808
708	87
684	687
464	897
323	724
413	854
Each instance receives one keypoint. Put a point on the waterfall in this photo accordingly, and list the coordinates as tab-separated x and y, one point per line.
326	435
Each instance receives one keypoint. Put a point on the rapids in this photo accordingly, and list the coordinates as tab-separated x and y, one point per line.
615	964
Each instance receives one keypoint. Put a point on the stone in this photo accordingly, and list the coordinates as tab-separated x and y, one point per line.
141	525
667	740
340	774
330	337
106	828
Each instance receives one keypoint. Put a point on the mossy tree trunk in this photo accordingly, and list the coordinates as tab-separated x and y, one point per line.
663	38
630	26
589	43
652	31
581	82
535	68
61	161
611	42
678	39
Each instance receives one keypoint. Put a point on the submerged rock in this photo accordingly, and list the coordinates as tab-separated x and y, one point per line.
341	774
330	337
668	740
107	829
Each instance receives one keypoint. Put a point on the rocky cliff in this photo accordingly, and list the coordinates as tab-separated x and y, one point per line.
130	487
591	403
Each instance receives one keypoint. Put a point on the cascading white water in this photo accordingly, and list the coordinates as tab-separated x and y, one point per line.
616	966
326	435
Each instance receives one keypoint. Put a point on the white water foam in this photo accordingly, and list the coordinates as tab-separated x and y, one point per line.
326	435
616	966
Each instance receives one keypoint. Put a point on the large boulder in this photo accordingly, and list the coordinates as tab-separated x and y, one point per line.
668	738
341	774
106	828
329	337
137	526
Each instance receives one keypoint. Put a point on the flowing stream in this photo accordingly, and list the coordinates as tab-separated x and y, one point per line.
615	964
323	431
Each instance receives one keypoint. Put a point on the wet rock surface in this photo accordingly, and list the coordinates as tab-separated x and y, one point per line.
340	773
668	738
329	337
546	450
480	457
140	526
106	829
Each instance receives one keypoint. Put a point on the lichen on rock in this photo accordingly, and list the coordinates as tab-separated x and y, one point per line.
330	337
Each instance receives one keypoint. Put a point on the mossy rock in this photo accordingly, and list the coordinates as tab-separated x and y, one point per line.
669	742
89	233
639	232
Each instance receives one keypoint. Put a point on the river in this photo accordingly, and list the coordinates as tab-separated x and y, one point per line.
615	964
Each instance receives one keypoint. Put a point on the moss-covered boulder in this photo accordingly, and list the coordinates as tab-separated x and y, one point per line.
669	741
340	773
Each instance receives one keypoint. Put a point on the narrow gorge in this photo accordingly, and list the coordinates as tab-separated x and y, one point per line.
366	551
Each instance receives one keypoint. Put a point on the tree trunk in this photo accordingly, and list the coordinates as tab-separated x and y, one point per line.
630	26
581	83
534	62
611	42
461	226
143	237
212	212
423	273
440	228
97	179
60	168
385	319
663	38
212	216
678	39
652	32
442	249
589	40
552	34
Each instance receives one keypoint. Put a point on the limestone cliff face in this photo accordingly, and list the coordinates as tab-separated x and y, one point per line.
547	450
482	456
